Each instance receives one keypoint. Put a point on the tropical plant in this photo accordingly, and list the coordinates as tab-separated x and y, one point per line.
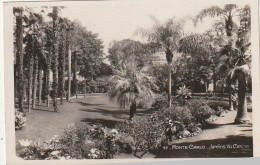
235	59
55	51
132	86
226	13
165	37
183	92
19	56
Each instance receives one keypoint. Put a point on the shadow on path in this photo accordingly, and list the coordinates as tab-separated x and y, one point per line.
231	146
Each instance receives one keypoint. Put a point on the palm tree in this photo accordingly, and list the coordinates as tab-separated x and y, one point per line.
236	60
48	47
227	14
54	16
166	36
18	12
62	57
132	86
240	60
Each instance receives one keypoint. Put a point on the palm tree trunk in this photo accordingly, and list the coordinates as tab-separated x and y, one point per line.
55	81
132	110
206	87
20	56
61	69
169	84
85	88
40	87
69	74
230	97
75	86
48	86
214	85
35	72
30	79
15	81
242	116
55	57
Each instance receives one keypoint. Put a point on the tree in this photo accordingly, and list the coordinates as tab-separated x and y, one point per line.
132	86
166	37
62	40
120	52
54	16
236	61
33	54
226	13
18	12
200	57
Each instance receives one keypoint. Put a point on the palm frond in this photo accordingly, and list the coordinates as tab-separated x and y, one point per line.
211	12
230	7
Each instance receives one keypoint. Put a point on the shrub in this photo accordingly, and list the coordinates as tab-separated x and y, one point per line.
215	104
20	120
93	89
88	89
146	132
77	142
201	112
160	103
101	90
178	122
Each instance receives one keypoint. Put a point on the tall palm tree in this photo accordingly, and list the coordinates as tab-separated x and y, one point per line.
33	52
62	58
166	37
54	16
227	14
236	59
240	61
132	86
18	12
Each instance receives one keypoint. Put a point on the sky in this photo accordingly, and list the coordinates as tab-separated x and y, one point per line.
118	20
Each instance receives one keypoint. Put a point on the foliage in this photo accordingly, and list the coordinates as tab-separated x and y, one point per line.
164	35
132	85
226	13
182	94
79	142
200	112
20	120
200	56
216	104
146	132
125	51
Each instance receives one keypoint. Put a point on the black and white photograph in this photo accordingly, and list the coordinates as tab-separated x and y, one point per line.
131	79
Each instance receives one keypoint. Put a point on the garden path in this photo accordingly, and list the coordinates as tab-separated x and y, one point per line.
222	138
